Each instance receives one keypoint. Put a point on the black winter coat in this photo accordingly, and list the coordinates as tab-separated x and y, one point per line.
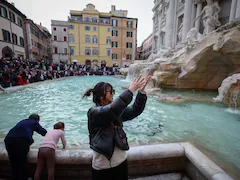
102	119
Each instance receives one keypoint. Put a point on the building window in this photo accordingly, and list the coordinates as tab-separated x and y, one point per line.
12	16
108	41
107	21
87	52
129	57
64	29
114	33
129	24
101	21
54	28
14	39
21	42
114	23
129	34
32	42
94	19
114	44
65	50
94	28
37	34
71	38
108	52
65	38
55	50
87	39
87	19
129	45
87	28
19	21
3	12
114	56
71	27
6	36
79	18
71	50
108	29
95	52
55	38
95	40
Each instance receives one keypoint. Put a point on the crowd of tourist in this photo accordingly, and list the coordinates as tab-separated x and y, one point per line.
15	72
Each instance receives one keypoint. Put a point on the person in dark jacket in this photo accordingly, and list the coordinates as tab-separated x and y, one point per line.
105	122
18	141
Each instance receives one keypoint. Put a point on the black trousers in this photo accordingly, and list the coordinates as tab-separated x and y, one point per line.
17	152
117	173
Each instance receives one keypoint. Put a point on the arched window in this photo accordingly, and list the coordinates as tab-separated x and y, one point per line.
95	52
108	40
94	19
95	40
87	19
87	52
71	38
87	39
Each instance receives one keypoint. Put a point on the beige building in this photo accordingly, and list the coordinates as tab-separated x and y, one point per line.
36	41
60	41
11	31
102	38
124	38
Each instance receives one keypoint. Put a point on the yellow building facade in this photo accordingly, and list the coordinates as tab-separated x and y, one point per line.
103	39
89	37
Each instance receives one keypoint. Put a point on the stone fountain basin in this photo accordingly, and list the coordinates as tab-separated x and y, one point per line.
143	161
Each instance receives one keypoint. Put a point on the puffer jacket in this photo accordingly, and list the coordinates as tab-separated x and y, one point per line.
102	119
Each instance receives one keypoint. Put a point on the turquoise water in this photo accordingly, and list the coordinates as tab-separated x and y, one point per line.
213	128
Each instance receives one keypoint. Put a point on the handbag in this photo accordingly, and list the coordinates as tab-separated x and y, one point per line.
120	138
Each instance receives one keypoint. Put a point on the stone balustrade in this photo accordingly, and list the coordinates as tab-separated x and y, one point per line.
142	161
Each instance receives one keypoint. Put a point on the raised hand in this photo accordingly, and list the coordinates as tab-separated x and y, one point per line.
137	83
146	80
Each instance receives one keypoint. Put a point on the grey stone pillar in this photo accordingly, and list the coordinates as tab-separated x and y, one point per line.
170	24
199	10
233	10
238	9
153	42
187	18
159	31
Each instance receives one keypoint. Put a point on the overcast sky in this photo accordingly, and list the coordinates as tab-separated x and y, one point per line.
46	10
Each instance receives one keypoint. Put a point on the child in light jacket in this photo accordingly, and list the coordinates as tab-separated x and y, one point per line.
46	153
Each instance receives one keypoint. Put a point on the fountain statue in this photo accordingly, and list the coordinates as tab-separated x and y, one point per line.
204	61
192	38
210	16
229	91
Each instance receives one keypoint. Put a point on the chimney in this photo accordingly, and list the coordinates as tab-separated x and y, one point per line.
40	24
113	8
13	3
